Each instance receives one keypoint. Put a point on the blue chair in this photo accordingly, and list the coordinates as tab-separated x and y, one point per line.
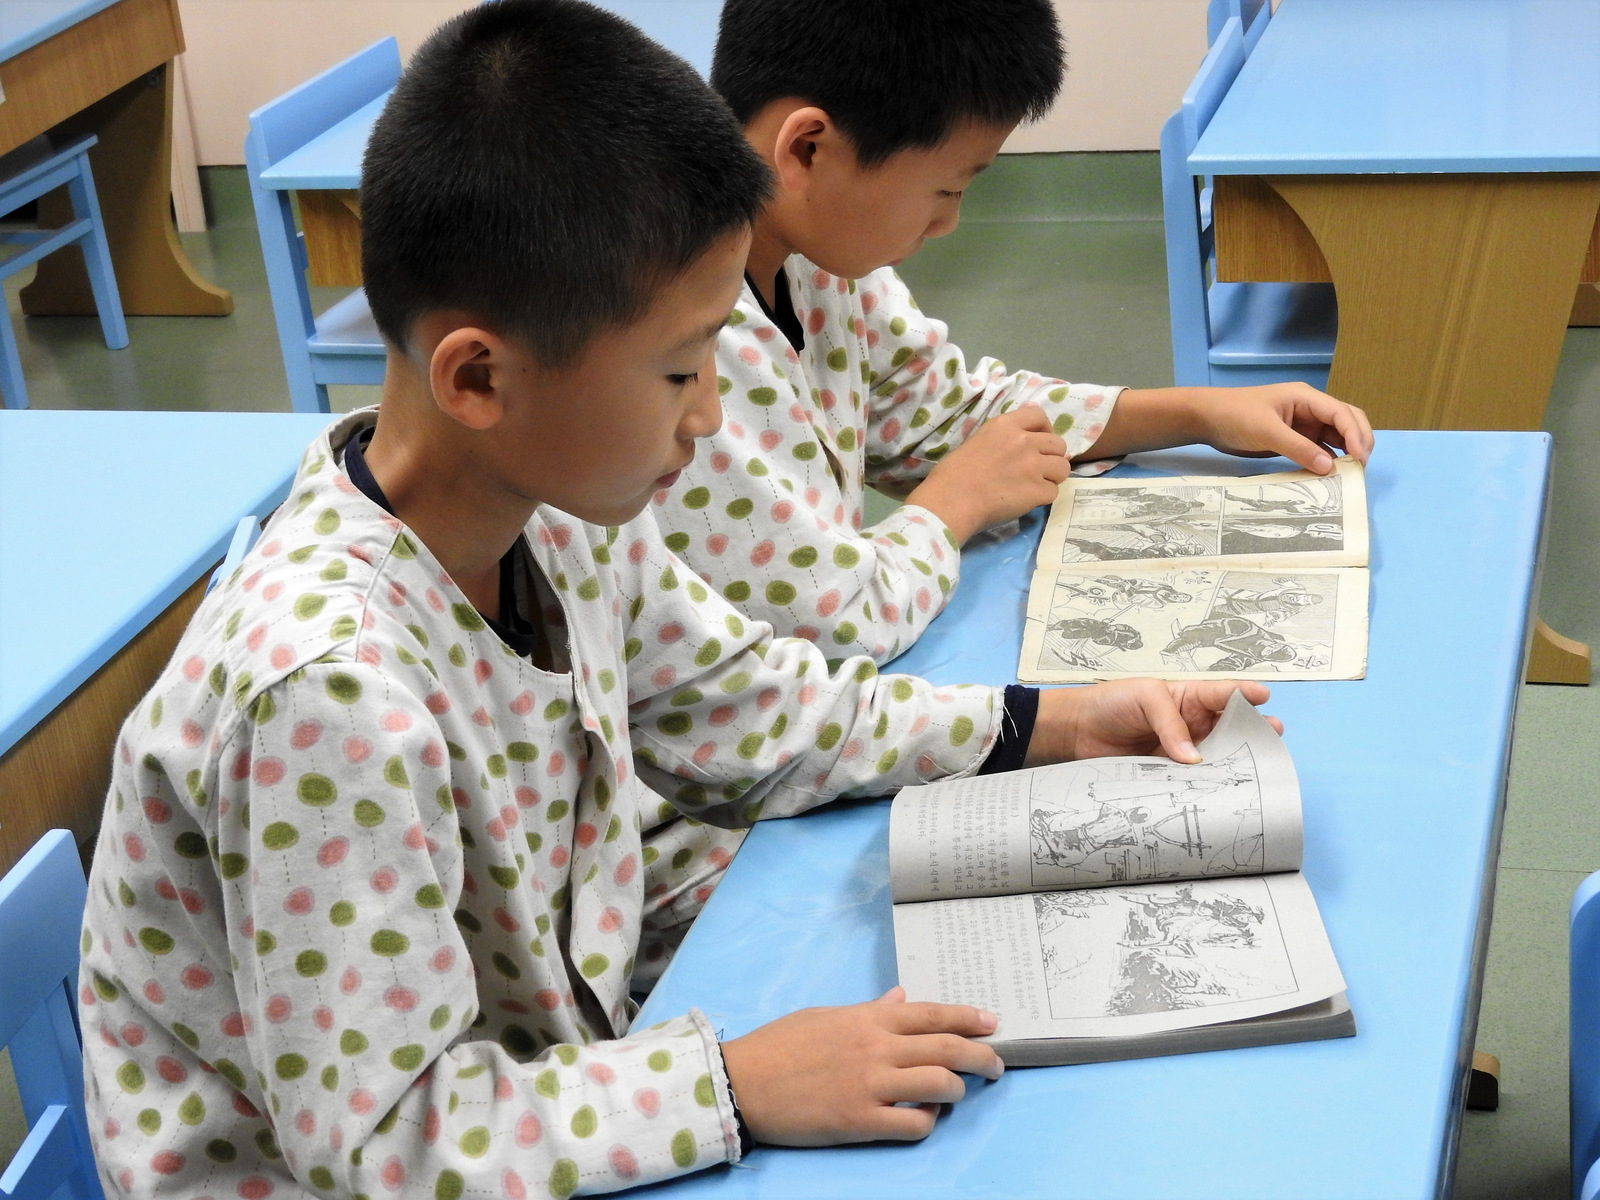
1584	1080
343	344
245	535
41	916
1253	17
27	173
1230	334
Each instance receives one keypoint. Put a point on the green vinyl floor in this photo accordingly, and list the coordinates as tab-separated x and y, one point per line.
1058	266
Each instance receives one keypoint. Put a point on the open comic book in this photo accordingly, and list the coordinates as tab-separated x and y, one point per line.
1119	907
1202	578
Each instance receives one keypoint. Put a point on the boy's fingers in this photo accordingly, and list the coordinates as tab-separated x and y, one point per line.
902	1124
1029	416
950	1051
1166	722
1298	448
1046	442
1056	469
1215	693
895	995
926	1017
924	1085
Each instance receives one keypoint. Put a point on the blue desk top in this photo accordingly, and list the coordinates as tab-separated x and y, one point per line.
1402	775
106	518
332	161
26	23
1359	86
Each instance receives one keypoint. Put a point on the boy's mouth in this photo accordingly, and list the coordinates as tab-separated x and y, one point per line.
669	479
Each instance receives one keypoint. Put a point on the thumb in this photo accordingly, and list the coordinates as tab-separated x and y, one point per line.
895	995
1167	723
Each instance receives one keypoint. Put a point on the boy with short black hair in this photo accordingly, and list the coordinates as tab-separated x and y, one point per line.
387	850
874	117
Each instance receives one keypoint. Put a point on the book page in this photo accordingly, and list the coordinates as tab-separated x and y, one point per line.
1198	622
1104	821
1293	518
1121	961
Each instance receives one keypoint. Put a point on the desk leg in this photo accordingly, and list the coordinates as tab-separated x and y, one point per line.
133	176
1454	290
57	776
1586	306
1556	659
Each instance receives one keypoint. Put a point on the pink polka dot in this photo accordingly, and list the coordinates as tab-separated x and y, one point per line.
763	553
637	550
669	633
306	1122
232	1025
331	853
482	669
437	702
125	1178
401	999
718	857
299	901
255	637
133	847
273	590
750	356
254	1187
623	1163
703	892
767	698
395	721
195	977
193	668
278	1008
154	992
704	753
626	870
430	1125
557	764
362	1102
504	1089
809	632
443	959
350	981
891	612
322	1017
647	1101
192	734
167	1162
663	677
722	714
585	834
192	901
924	600
242	1106
558	857
357	749
528	1130
480	716
522	705
610	920
770	440
435	601
782	511
717	543
392	1173
165	890
511	1186
281	657
720	461
268	771
112	1129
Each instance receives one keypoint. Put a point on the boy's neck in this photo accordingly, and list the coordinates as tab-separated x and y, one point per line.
769	249
430	476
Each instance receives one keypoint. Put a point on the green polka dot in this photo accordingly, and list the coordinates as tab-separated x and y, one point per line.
390	943
684	1151
563	1178
231	1072
584	1122
682	858
310	963
394	772
290	1066
342	913
506	877
764	396
157	941
505	966
190	844
368	814
741	508
130	1077
755	467
589	589
321	1178
149	1121
697	497
192	1110
327	521
188	1036
897	326
309	605
495	764
439	1018
705	1093
265	942
1061	424
659	1060
780	592
805	451
430	895
449	1185
837	360
125	894
546	1084
330	1078
902	690
233	865
675	724
280	835
353	1041
220	1151
738	591
467	617
708	653
556	810
334	571
847	439
346	689
845	633
407	1058
594	966
750	745
960	731
830	735
886	763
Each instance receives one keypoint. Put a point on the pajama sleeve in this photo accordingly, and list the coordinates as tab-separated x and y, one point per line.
924	401
733	725
356	991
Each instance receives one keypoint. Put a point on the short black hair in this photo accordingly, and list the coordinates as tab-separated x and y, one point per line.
893	74
546	167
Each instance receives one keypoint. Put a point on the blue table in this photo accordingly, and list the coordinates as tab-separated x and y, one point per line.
1436	160
109	523
1403	776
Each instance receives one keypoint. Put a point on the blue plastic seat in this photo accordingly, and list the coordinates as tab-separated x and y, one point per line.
41	916
27	173
342	345
1584	997
1253	17
1230	334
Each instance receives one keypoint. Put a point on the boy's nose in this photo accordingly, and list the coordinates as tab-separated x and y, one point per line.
703	417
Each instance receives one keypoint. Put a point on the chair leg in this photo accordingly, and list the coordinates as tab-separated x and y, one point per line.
12	390
97	258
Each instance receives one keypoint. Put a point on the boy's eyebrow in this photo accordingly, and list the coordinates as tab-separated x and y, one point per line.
705	335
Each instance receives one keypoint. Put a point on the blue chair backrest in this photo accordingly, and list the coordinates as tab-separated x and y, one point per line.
1218	70
1584	1083
245	534
279	128
1253	17
41	918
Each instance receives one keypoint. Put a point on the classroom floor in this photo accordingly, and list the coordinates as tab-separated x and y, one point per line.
1058	265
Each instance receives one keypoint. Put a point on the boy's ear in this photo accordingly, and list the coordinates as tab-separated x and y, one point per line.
807	139
468	372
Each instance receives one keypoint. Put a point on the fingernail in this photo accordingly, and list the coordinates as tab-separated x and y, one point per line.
999	1069
1187	751
1322	463
987	1021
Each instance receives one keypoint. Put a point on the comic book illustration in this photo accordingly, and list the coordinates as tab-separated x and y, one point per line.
1195	622
1310	520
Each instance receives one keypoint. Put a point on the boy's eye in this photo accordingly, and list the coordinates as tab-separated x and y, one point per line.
683	380
947	195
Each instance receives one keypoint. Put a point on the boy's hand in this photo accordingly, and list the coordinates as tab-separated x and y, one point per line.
825	1076
1133	716
1291	419
1010	465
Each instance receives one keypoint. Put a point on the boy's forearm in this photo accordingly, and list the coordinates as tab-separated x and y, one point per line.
1150	419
